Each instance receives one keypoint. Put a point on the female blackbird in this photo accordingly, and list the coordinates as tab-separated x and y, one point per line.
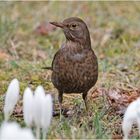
75	66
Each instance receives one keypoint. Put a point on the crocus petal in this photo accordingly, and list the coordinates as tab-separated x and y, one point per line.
28	107
37	108
130	117
14	131
37	105
11	98
47	112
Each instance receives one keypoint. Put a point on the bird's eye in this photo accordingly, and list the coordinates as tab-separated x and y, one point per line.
73	25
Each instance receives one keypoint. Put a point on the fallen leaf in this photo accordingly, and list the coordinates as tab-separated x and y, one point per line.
118	98
118	137
4	55
44	28
18	112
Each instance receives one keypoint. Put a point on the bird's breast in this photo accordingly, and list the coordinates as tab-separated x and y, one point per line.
74	71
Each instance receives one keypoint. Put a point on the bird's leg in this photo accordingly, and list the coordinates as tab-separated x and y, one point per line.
60	99
84	95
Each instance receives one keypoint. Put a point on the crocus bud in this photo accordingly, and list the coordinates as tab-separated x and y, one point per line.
131	116
28	107
11	98
37	107
47	112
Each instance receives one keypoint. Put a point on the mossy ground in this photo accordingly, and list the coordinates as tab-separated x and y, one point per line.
115	36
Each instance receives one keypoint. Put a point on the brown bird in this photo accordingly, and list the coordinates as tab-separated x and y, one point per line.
75	66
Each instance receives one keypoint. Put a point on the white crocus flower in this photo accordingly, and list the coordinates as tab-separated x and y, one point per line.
47	112
131	116
37	107
11	98
15	132
28	107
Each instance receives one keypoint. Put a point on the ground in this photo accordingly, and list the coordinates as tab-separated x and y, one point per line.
115	36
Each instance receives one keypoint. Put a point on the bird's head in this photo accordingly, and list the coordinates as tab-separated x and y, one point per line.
75	29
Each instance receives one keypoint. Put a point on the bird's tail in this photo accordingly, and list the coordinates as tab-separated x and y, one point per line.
48	68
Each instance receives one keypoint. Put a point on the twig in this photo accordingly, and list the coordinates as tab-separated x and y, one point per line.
14	48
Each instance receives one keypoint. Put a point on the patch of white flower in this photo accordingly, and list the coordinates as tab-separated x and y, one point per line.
131	116
12	130
11	98
37	112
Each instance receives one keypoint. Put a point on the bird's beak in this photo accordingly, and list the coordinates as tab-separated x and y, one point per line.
57	24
